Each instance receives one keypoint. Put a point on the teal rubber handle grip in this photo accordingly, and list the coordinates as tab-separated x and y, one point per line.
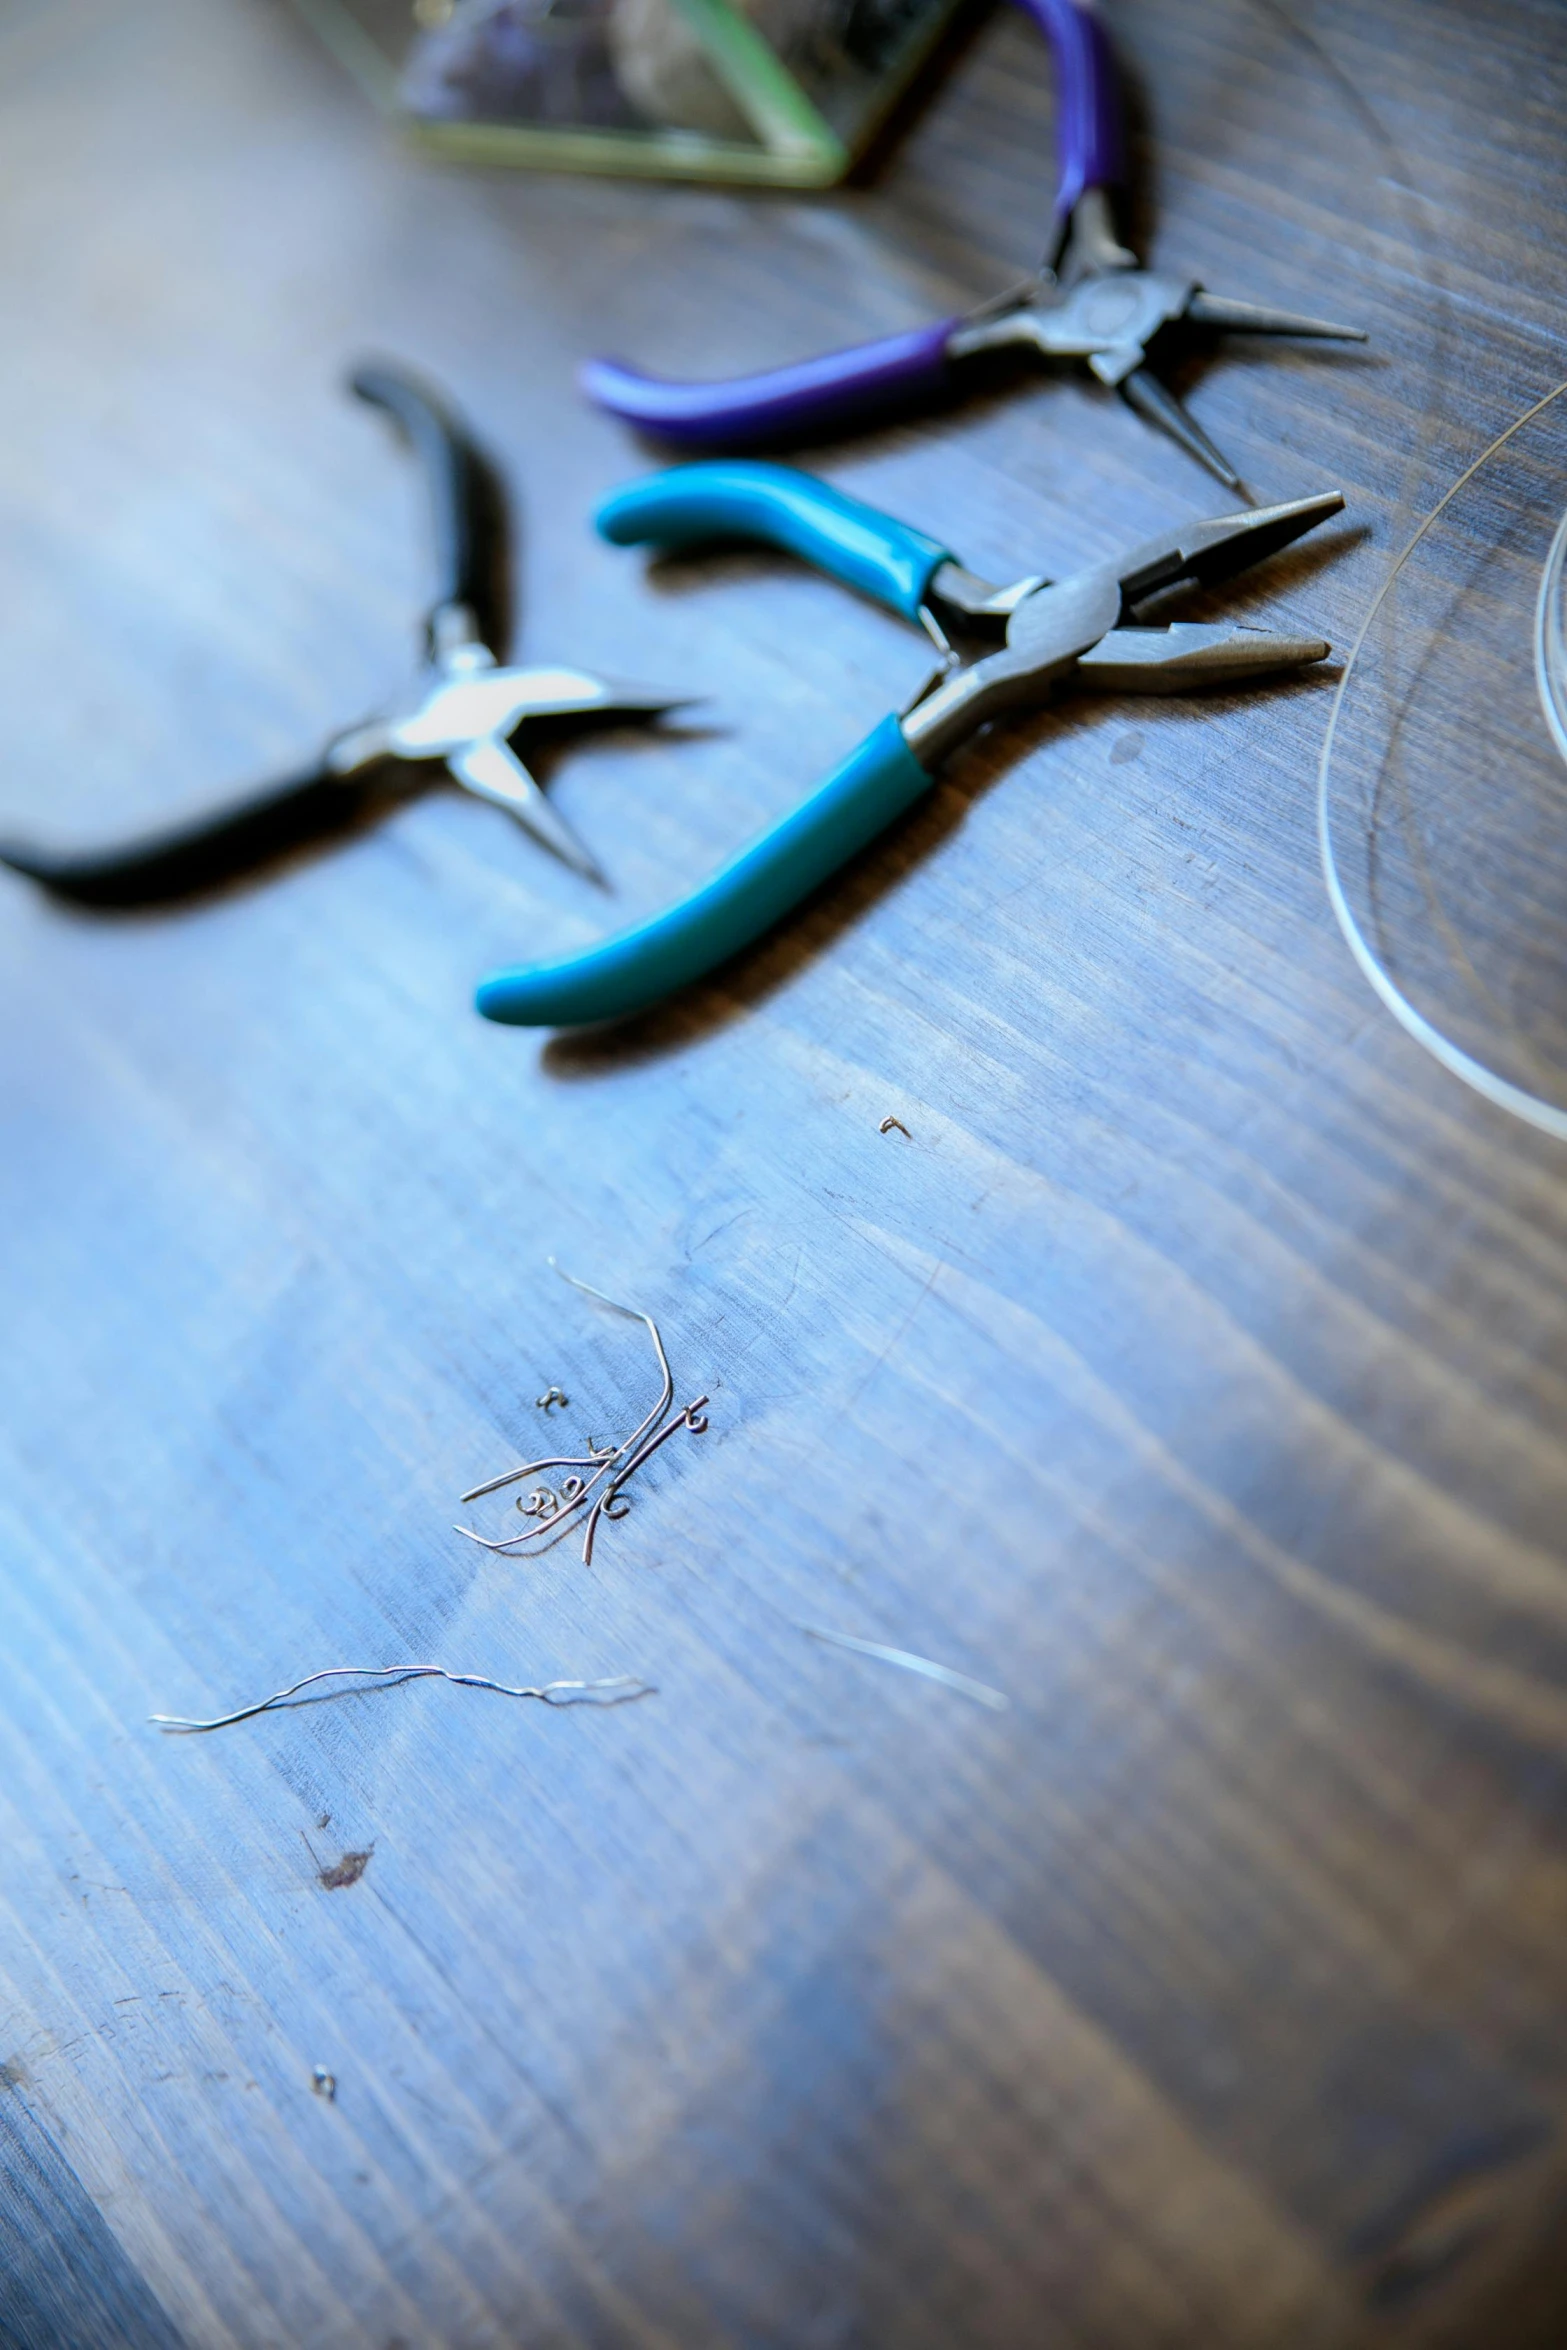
732	499
752	892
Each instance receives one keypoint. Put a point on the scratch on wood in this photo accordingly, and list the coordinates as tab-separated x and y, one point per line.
900	1333
794	1278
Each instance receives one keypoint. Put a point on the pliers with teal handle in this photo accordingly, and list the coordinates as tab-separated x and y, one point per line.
1083	629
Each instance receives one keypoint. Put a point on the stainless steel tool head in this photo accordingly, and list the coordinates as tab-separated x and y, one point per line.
468	710
1106	310
1086	626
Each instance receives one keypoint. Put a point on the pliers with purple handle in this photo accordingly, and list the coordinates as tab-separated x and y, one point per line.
1092	301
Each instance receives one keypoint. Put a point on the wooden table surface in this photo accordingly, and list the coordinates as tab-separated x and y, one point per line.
1192	1370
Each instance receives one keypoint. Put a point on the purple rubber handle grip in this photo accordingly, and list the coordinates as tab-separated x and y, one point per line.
780	404
790	401
1089	137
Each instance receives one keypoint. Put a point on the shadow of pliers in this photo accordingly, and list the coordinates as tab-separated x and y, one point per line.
1091	301
461	715
1084	631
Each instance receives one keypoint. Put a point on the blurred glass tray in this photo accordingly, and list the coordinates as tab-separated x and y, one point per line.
781	92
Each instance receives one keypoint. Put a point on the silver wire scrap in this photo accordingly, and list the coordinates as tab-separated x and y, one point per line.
611	1692
595	1481
908	1662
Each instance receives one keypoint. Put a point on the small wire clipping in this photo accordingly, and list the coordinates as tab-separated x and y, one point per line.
595	1480
615	1691
980	1691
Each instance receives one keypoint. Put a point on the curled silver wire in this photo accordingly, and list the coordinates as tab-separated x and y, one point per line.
614	1691
692	1418
595	1480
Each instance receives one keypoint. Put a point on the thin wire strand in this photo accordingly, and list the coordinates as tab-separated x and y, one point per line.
690	1418
601	1465
615	1691
612	1463
558	1460
632	1314
1546	1115
980	1691
552	1524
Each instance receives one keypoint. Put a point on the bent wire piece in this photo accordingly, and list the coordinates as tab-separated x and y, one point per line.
462	715
615	1691
609	1468
1088	629
1091	301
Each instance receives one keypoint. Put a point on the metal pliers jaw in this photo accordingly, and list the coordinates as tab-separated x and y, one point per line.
469	709
462	713
1085	631
1115	315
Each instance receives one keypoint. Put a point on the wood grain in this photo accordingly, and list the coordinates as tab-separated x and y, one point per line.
1193	1368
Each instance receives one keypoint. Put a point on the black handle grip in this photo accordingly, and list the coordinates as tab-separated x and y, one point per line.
456	473
202	855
